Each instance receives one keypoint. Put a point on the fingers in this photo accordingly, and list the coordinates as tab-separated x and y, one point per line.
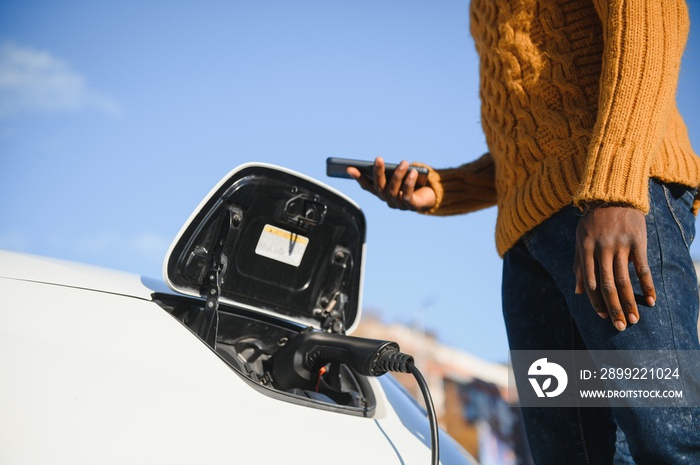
374	184
616	289
624	295
641	267
409	187
607	283
589	280
393	186
379	175
365	183
391	192
605	247
398	191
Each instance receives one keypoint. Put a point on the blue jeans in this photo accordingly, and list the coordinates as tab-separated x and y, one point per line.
542	312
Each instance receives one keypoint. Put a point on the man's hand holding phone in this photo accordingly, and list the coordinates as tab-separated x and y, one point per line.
400	190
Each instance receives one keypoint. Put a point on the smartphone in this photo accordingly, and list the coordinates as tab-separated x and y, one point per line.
337	168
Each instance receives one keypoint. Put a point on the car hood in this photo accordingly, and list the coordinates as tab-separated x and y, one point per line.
275	241
33	268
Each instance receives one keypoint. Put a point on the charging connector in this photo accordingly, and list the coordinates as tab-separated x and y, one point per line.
297	365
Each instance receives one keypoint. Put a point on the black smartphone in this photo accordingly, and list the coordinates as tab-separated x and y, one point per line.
337	168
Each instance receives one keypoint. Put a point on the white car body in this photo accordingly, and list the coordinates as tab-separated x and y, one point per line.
95	370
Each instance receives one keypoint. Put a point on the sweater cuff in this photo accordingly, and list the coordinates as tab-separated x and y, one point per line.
464	189
617	176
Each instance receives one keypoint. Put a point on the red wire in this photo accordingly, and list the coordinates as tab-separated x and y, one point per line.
321	372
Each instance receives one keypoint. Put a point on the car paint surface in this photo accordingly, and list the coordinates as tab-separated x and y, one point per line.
95	372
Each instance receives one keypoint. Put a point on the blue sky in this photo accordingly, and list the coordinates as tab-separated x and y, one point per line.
116	118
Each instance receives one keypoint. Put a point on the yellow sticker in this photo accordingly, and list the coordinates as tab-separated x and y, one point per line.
281	245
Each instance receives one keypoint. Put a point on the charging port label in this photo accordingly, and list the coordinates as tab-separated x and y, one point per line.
281	245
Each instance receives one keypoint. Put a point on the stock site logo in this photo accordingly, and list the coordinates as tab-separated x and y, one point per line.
546	371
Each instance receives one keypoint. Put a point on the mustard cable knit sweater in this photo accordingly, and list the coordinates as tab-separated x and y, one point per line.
578	105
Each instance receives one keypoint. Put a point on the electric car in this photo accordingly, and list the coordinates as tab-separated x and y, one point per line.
242	354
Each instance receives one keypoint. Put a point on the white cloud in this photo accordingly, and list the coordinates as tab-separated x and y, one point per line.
35	81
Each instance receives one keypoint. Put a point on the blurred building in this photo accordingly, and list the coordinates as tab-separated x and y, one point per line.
697	272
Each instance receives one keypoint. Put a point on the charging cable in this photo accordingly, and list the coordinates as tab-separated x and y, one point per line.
399	362
298	362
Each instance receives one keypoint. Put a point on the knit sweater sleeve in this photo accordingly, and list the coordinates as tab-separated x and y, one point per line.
643	44
464	189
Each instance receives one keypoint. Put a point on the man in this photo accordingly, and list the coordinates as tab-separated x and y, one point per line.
592	170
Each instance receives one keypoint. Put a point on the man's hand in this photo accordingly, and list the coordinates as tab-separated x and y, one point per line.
400	190
608	238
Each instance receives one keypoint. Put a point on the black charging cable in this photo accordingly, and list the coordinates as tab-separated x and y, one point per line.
396	361
297	364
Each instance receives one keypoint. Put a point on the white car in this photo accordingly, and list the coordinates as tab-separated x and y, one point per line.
242	358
